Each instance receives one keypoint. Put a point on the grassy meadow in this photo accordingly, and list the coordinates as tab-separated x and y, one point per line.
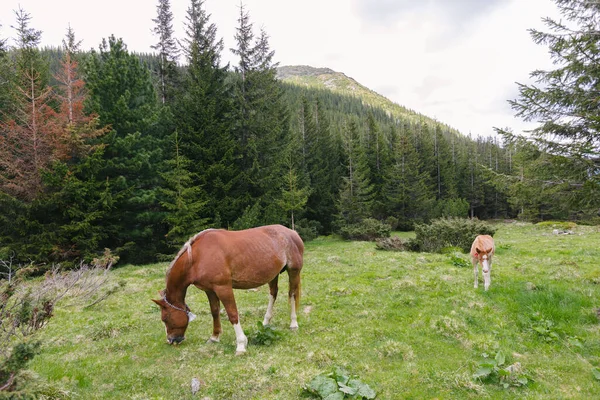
410	325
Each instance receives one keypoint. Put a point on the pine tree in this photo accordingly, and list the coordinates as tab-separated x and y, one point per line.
6	78
323	165
376	148
405	190
261	121
183	200
70	128
356	192
25	148
294	196
564	100
121	93
202	112
167	50
65	220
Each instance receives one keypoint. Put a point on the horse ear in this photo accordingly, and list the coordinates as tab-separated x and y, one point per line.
159	302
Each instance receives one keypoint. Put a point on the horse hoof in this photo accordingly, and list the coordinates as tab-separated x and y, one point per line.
213	340
294	327
240	353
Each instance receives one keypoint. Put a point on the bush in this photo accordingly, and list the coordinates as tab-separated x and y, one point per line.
369	229
444	232
393	244
564	225
26	306
308	230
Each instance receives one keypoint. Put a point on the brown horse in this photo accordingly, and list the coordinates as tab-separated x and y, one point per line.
218	261
482	251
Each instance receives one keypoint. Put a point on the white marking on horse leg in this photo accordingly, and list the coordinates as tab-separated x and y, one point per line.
269	313
240	339
294	324
486	272
475	272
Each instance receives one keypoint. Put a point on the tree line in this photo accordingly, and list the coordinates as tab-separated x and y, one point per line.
109	149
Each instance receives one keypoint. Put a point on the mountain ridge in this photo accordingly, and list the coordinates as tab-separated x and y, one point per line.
338	82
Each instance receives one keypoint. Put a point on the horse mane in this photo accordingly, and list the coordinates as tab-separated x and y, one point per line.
187	247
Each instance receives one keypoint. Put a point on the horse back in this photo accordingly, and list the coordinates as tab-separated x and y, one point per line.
248	258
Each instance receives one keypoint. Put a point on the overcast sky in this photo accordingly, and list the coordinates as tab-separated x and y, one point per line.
453	60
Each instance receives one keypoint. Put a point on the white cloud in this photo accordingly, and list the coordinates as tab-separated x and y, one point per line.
454	61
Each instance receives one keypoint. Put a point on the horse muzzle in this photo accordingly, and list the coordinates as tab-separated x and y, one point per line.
175	340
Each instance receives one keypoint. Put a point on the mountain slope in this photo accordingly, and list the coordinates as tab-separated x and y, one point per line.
325	78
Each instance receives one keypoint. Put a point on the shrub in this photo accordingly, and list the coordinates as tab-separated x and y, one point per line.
26	306
564	225
393	244
368	229
444	232
308	230
393	222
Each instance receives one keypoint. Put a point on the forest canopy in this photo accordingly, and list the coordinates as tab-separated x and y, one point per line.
110	149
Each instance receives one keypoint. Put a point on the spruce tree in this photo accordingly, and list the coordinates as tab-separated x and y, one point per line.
6	79
356	192
167	50
323	165
122	94
202	112
25	145
183	200
564	100
261	121
405	189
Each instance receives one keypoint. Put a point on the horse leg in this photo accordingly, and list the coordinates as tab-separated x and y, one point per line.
273	289
475	272
215	306
225	294
294	296
487	277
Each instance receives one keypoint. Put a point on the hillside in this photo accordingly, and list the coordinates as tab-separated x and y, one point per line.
337	82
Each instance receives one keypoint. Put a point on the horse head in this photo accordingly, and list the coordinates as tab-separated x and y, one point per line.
484	258
176	319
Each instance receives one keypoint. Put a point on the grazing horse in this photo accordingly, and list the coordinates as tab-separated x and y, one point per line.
218	261
482	251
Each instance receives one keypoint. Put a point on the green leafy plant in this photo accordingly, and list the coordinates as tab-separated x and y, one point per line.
265	335
495	370
458	261
596	372
338	385
545	328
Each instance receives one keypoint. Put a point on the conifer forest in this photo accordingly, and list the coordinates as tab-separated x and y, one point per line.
112	149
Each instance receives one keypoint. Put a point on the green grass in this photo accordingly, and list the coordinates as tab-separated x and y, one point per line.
410	325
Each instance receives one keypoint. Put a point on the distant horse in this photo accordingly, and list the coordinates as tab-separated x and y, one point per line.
482	251
218	261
